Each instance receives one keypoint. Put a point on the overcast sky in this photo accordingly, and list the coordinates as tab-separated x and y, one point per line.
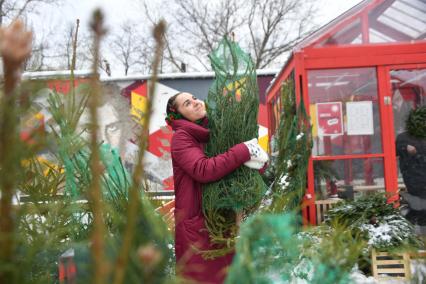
118	11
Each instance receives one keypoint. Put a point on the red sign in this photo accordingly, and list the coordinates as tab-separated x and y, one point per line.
329	119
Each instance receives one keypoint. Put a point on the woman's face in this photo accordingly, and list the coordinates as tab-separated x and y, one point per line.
190	107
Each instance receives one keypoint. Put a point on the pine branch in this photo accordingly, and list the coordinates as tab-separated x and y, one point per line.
134	194
73	60
98	242
15	48
294	148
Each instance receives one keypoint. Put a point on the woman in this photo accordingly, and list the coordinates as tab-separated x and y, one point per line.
192	168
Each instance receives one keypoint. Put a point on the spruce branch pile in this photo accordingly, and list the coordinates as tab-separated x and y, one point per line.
270	250
232	108
377	222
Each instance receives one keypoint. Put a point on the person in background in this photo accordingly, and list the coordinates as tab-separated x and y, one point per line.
411	150
191	169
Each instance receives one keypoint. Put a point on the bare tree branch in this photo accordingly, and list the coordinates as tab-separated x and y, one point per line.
11	9
130	48
267	28
170	56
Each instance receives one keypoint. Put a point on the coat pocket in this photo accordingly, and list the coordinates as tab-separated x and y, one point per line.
195	232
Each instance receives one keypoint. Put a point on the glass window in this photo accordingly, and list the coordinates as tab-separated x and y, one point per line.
408	92
276	105
348	179
391	21
344	111
378	37
351	34
403	20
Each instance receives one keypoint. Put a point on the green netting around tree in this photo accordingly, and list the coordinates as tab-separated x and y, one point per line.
270	250
232	108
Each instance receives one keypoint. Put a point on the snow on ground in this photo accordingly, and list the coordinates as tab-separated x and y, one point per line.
359	278
418	272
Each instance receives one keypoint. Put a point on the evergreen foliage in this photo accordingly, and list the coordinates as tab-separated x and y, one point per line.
271	248
232	108
266	250
56	215
379	223
281	255
292	150
331	245
416	122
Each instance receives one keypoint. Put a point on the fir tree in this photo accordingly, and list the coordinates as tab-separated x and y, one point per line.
232	108
292	150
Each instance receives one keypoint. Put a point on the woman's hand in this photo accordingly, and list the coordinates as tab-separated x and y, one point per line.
258	157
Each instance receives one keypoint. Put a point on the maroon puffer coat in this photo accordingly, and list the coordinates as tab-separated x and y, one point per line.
191	169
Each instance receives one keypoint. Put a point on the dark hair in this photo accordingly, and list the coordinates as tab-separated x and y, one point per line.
171	104
171	110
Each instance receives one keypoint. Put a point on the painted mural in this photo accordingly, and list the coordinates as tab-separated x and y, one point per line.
122	112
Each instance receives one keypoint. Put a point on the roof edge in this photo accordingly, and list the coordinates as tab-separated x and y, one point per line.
132	77
316	34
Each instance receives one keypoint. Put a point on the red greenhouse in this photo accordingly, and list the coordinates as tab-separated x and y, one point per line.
359	76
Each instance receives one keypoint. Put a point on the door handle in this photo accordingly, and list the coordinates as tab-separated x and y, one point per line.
387	100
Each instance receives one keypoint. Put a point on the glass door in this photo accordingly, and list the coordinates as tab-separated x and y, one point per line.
347	154
408	93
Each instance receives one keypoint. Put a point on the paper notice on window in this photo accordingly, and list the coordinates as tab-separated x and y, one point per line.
329	118
360	118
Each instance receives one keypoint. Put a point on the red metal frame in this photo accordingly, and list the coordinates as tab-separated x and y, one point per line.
346	157
275	87
365	28
369	55
373	49
390	171
311	188
365	55
301	91
408	66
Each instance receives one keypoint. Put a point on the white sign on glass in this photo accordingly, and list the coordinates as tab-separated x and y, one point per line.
360	118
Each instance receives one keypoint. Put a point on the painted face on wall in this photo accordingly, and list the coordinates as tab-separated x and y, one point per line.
190	107
110	128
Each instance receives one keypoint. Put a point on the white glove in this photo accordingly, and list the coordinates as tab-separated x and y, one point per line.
254	165
258	157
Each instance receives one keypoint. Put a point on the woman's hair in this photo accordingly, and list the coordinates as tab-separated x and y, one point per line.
171	104
171	109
